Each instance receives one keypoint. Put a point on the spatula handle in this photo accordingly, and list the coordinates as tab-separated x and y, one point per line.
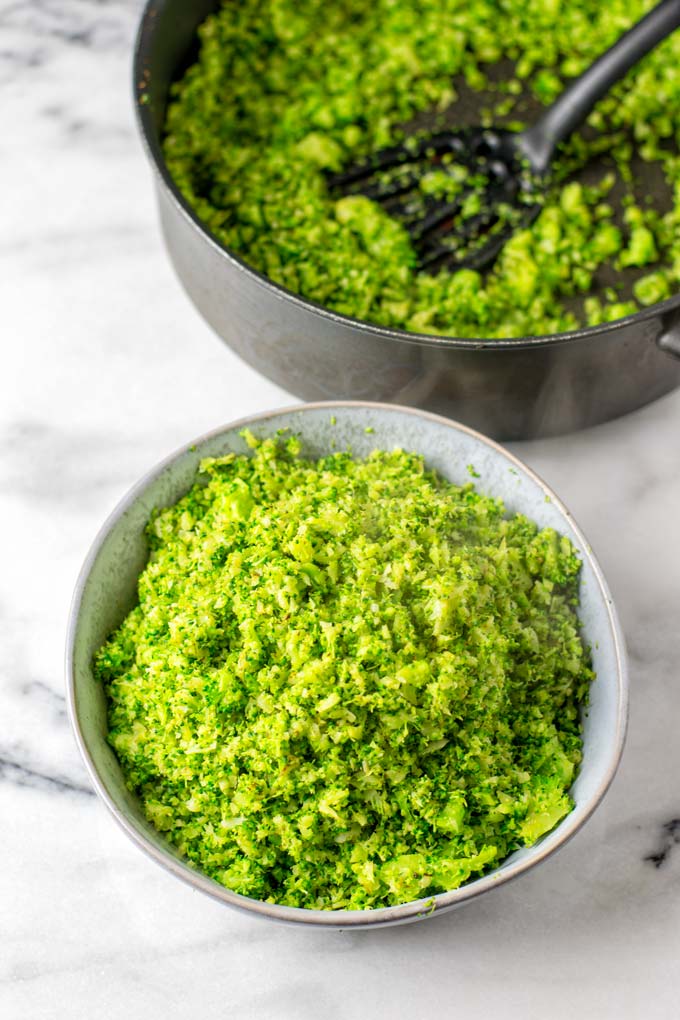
572	108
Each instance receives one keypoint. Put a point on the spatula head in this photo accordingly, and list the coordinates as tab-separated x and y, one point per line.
461	195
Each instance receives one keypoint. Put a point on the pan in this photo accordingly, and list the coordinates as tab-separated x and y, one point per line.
517	388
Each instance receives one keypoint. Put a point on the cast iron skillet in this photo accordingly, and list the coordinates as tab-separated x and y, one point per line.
510	389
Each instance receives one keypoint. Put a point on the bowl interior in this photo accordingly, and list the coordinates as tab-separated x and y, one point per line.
107	591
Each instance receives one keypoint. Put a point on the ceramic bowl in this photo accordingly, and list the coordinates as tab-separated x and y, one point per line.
106	591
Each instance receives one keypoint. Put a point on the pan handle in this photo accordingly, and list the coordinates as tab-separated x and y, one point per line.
669	337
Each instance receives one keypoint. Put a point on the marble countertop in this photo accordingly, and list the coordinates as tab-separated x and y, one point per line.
106	368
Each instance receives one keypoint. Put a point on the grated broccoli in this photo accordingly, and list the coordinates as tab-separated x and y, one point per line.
285	90
347	683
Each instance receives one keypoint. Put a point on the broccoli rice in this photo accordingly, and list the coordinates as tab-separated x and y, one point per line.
347	683
284	91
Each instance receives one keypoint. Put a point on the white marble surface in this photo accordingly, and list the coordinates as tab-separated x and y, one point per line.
105	368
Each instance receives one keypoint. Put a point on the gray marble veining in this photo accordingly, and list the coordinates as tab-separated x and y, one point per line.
96	333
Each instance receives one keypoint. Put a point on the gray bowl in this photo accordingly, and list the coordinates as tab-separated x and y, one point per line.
106	591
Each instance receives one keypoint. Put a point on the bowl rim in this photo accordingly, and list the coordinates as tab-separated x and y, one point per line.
374	917
142	79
